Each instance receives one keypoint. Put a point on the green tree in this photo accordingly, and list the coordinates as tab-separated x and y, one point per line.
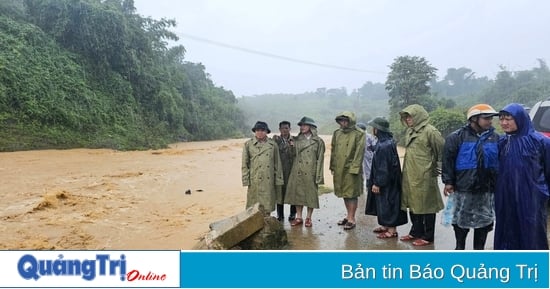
447	121
14	8
94	73
408	80
527	86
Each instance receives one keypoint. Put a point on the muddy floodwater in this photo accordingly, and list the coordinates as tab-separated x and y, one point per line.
158	200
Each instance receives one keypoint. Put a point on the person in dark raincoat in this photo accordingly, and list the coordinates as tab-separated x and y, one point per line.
285	143
261	168
307	171
384	184
521	195
346	164
469	172
421	194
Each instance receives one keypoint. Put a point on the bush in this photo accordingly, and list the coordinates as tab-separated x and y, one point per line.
447	120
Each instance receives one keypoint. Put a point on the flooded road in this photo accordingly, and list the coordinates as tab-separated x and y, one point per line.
327	235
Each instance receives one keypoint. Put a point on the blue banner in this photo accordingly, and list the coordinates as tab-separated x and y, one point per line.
275	269
364	269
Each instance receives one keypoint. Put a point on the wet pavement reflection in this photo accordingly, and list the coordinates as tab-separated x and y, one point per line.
327	235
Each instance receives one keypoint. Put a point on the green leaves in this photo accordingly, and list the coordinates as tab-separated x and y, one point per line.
527	86
93	73
408	79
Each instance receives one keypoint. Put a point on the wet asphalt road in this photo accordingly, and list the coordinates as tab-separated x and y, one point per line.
325	234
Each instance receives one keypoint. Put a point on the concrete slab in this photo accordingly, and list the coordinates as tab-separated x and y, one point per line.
227	233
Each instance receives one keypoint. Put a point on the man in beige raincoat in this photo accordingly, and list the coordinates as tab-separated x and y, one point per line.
307	171
261	168
346	164
421	194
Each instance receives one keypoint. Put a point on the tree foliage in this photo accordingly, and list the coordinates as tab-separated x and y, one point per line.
447	106
526	86
408	81
447	120
322	105
460	82
94	73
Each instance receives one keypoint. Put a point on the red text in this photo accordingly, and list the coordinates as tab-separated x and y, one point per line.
134	275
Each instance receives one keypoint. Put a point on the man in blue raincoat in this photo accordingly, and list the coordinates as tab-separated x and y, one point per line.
521	193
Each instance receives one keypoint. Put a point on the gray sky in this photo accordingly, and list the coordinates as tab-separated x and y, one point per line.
364	35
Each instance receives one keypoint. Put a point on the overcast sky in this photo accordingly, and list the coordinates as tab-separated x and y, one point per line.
293	46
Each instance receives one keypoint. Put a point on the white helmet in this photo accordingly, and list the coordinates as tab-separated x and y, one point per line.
480	109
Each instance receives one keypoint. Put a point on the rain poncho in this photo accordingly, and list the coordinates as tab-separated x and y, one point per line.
261	172
470	163
370	142
285	152
346	159
386	174
424	145
521	194
307	171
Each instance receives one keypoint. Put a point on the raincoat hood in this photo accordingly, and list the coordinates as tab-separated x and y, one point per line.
346	158
521	192
419	114
352	120
523	122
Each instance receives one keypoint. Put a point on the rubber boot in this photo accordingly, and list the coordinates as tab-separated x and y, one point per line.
460	236
292	213
280	212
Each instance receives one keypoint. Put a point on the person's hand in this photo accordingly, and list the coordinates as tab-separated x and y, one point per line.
291	142
375	189
448	190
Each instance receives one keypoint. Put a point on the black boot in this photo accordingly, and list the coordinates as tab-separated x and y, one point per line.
480	237
280	212
460	236
292	213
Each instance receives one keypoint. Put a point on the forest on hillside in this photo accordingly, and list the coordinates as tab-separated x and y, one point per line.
95	73
91	73
447	99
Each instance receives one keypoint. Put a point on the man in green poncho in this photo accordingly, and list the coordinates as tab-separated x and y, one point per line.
307	171
421	194
346	164
261	168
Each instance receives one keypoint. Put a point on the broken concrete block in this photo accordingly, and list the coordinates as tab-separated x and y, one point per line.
271	237
229	232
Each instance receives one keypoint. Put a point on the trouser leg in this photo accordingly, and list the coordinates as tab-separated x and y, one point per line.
429	227
292	210
351	208
480	237
460	236
280	212
416	228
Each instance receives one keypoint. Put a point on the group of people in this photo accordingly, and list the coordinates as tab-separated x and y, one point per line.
285	170
501	180
496	182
